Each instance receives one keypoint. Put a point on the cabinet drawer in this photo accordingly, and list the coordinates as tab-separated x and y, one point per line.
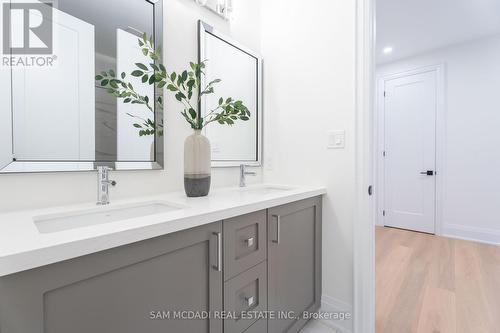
246	292
245	243
258	327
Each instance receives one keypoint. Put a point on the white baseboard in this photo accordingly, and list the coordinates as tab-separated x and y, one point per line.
481	235
333	305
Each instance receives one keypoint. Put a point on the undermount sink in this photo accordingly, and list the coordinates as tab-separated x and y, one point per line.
264	189
100	215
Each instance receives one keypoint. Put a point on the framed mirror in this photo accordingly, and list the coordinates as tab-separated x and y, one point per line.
240	70
65	114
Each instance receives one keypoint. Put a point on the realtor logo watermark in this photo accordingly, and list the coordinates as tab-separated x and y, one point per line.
27	34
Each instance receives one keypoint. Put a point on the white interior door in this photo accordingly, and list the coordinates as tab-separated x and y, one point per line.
5	117
54	106
410	151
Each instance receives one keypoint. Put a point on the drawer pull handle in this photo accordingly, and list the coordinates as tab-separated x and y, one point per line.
218	267
278	228
250	300
250	242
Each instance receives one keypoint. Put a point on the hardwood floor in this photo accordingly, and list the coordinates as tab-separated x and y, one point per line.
431	284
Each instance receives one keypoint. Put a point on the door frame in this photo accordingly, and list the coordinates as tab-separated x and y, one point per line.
379	139
364	205
363	218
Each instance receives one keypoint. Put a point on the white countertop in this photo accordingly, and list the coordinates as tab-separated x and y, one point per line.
23	247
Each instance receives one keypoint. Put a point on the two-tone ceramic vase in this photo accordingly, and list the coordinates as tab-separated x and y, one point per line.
197	165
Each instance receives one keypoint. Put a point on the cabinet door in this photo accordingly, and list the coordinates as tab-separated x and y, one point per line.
130	289
294	263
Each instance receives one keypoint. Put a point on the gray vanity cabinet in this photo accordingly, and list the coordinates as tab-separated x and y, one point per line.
294	263
269	260
129	289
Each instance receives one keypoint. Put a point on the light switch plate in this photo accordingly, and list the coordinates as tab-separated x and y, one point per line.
215	147
268	163
336	139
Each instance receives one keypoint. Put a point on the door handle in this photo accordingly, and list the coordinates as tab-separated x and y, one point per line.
427	173
278	227
218	267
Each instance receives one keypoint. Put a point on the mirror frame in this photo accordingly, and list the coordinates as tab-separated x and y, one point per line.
85	166
205	28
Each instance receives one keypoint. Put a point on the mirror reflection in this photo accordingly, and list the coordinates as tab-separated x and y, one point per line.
239	70
66	115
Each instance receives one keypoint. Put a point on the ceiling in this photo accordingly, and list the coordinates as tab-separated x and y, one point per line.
412	27
108	15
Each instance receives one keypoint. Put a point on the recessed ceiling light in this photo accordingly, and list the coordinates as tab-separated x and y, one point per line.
388	50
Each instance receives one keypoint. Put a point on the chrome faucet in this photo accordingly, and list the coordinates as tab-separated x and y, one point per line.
243	174
103	184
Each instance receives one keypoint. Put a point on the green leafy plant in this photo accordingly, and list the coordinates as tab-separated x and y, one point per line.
188	90
121	88
187	87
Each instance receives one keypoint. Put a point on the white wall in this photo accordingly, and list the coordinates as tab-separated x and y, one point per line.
22	191
472	139
309	59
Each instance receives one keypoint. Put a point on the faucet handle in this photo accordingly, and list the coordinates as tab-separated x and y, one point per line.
244	173
243	169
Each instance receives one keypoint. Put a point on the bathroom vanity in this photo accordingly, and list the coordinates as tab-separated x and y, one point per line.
241	260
